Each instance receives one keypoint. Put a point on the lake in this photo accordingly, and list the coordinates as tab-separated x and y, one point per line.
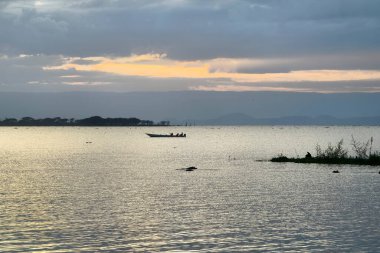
73	189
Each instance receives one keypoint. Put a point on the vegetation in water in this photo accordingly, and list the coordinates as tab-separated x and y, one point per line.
337	154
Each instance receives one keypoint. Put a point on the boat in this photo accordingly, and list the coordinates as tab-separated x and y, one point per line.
167	135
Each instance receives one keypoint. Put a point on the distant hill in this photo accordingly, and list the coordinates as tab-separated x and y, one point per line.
242	119
222	108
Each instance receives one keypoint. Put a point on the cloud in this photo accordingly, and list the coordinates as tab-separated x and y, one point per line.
191	30
26	74
314	87
158	66
86	83
181	44
157	72
244	88
70	76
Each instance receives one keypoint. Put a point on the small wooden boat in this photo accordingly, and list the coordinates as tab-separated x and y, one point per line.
168	135
190	168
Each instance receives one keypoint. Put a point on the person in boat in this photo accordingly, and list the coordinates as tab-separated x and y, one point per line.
171	134
308	155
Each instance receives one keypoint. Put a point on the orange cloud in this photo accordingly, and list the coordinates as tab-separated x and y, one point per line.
158	66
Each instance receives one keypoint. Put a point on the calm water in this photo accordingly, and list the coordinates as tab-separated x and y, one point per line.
123	192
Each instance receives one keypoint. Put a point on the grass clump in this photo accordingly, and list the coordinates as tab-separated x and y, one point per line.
332	152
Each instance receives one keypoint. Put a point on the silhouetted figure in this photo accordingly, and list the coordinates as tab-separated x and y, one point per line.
231	158
308	155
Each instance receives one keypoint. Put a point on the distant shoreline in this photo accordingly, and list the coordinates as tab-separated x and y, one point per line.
91	121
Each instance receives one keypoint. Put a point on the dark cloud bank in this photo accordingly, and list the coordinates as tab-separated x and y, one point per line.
191	29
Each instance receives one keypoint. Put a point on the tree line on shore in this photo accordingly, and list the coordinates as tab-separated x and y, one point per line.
91	121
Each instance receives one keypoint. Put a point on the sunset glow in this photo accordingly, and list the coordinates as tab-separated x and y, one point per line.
158	66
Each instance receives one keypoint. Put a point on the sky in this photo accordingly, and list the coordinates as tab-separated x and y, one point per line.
325	46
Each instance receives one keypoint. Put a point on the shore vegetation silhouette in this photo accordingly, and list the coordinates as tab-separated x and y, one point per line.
91	121
337	154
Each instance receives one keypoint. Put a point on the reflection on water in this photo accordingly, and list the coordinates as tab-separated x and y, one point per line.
115	189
